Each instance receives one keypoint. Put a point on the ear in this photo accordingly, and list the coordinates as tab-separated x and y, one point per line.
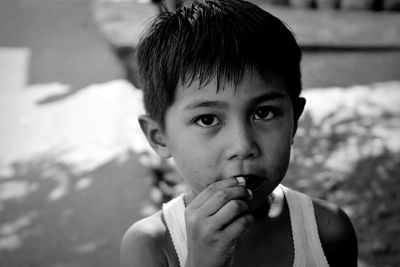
155	135
298	108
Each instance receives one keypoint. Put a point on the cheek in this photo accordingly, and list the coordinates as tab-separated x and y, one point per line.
283	162
278	154
196	168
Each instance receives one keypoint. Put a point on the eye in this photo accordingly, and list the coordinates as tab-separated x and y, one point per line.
207	120
263	113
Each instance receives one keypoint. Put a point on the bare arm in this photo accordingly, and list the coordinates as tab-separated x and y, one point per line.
142	245
338	236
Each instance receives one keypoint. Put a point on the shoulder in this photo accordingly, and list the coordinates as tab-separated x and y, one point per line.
337	234
143	243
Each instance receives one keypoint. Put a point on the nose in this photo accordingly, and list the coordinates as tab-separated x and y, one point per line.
242	144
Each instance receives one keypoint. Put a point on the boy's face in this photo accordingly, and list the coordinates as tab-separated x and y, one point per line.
244	131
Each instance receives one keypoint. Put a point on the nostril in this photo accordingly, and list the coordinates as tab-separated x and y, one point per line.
243	151
241	143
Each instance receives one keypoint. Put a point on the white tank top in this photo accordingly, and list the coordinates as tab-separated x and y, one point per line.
308	250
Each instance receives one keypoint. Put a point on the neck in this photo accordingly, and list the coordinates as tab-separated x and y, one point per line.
272	207
262	211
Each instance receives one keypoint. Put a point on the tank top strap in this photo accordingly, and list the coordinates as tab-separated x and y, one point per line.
308	250
174	215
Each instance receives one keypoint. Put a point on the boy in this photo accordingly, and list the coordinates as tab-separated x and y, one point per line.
221	81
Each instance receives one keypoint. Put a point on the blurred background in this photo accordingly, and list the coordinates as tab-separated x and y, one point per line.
75	171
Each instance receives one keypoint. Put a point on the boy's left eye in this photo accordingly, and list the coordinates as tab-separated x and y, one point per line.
263	113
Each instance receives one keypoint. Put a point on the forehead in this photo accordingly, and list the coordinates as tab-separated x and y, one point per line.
251	86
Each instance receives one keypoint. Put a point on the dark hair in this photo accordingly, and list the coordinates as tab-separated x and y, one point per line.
208	39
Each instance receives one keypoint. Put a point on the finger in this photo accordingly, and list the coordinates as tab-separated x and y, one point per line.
234	230
210	190
221	198
228	213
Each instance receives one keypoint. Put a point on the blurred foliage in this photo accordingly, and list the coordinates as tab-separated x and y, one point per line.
345	162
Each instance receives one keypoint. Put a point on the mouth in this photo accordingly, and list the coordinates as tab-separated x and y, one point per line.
252	181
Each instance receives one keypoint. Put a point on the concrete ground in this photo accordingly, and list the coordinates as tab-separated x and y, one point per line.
334	43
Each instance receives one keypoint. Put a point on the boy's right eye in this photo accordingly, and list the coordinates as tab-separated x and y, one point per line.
207	120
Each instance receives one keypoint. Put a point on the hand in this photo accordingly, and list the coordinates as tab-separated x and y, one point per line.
215	219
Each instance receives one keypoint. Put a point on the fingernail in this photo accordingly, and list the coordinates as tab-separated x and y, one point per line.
241	181
249	194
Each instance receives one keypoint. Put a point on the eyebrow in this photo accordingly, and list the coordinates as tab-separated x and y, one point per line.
269	97
224	105
207	104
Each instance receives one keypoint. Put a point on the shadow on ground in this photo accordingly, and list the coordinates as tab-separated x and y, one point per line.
53	217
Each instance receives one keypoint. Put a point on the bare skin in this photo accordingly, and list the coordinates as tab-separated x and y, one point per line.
244	130
148	242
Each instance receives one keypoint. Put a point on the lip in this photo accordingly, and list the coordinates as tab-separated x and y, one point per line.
252	181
